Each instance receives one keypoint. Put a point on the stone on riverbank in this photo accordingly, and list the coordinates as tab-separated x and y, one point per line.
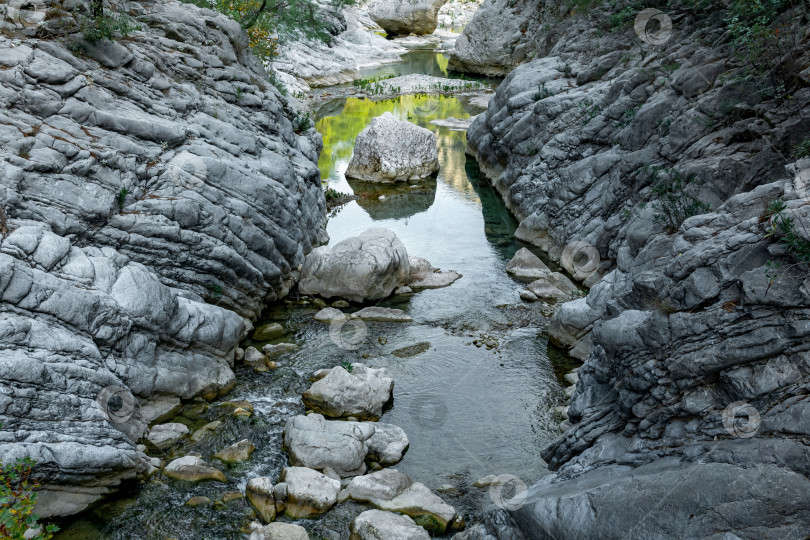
259	493
309	493
364	267
404	17
329	315
391	490
278	349
382	525
236	453
162	436
526	266
339	394
391	150
425	276
387	445
192	469
317	443
268	331
553	287
277	531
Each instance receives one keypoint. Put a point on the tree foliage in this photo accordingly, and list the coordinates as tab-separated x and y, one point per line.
17	500
269	23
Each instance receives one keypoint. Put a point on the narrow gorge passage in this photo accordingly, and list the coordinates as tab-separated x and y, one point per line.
474	390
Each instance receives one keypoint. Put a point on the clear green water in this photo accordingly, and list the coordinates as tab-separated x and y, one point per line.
468	411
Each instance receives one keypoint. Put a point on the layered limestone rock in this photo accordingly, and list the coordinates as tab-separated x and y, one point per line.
152	189
391	150
690	412
503	34
404	17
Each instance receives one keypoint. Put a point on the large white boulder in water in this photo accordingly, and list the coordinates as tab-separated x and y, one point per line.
338	393
391	490
390	150
382	525
404	17
318	444
365	267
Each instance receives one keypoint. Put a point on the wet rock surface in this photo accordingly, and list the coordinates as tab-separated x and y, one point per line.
360	393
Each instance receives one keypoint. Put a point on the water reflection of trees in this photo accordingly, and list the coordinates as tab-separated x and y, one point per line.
353	115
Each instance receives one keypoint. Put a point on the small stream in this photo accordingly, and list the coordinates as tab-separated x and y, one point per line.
474	382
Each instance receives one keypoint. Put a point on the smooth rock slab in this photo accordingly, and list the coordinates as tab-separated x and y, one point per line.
381	314
236	453
259	493
552	287
526	266
192	469
382	525
329	315
364	267
391	490
163	436
388	444
317	443
339	394
309	493
390	150
425	276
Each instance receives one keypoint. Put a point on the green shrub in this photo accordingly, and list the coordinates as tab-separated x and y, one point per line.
676	198
106	27
802	149
17	500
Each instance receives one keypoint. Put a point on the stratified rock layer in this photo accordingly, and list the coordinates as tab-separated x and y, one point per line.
153	188
690	416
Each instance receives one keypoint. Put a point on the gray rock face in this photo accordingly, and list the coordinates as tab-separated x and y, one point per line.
365	267
165	435
390	150
260	494
503	34
146	204
339	394
526	266
387	445
317	443
391	490
425	276
688	415
381	525
407	16
309	493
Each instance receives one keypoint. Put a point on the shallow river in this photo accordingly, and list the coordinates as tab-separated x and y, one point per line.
474	385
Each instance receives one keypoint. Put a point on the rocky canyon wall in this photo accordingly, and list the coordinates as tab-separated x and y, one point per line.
660	168
156	194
